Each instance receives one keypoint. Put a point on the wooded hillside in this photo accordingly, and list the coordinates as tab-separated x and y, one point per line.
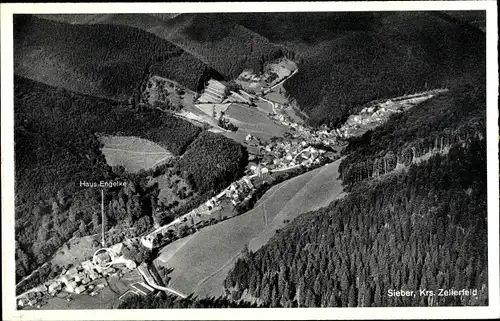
405	224
100	59
56	147
422	229
213	161
450	119
397	54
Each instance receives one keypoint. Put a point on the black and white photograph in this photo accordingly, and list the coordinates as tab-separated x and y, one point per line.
249	159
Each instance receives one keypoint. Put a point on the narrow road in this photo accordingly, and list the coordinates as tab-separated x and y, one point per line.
149	279
280	82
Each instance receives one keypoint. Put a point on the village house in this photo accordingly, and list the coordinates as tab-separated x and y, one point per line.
80	289
54	287
148	241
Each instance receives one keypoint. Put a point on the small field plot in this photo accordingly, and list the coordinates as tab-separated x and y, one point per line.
278	95
294	115
239	137
264	107
250	120
202	260
213	110
277	71
273	74
133	153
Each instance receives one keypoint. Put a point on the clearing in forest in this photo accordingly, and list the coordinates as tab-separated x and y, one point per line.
133	153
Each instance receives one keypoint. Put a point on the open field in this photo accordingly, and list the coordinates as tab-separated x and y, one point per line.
252	121
133	153
209	109
294	115
202	260
239	137
277	95
264	106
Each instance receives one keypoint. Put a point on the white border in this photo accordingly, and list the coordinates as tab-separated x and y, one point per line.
8	302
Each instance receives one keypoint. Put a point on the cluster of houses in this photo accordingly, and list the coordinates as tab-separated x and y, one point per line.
379	111
291	154
286	154
239	190
87	277
368	116
324	135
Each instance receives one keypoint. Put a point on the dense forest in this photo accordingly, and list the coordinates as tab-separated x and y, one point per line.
212	162
414	216
102	59
405	54
228	47
56	147
344	59
185	69
409	231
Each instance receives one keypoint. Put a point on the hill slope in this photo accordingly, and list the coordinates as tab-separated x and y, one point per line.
403	232
100	59
201	261
57	147
348	59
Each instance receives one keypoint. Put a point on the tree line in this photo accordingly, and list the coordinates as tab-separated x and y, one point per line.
165	301
229	47
212	162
